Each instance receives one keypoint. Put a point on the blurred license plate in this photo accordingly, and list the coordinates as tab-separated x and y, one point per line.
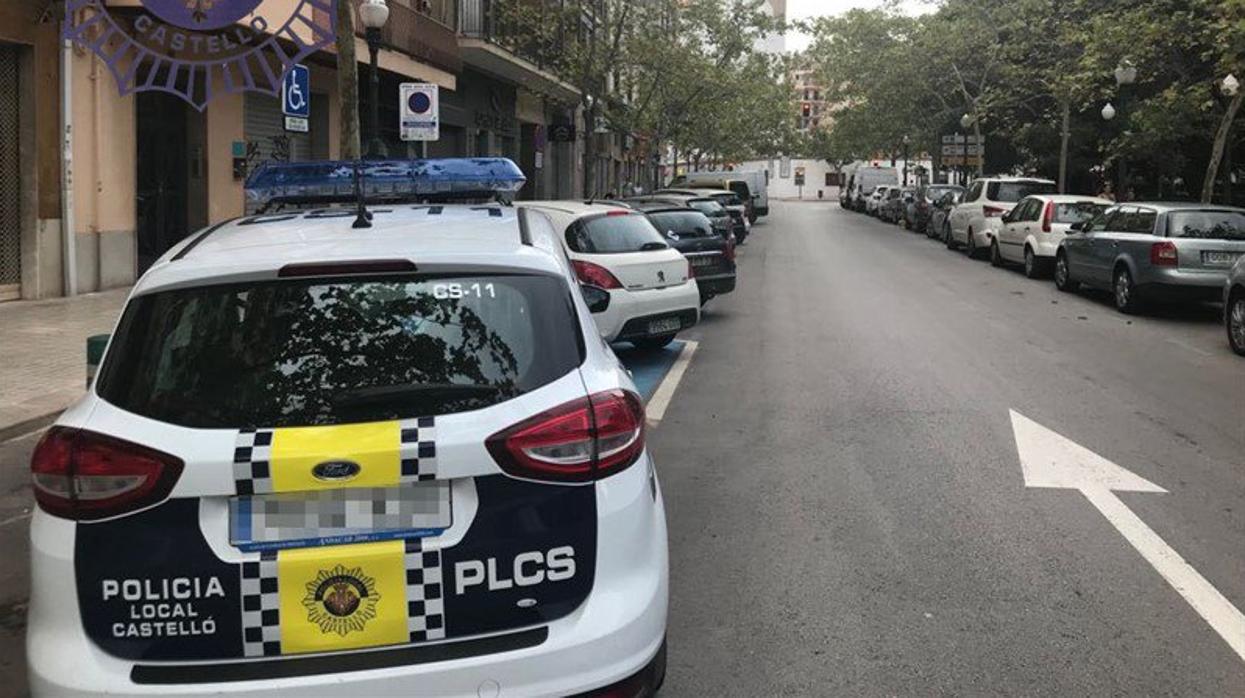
339	517
701	261
670	324
1225	259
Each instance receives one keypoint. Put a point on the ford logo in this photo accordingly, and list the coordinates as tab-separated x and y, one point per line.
336	470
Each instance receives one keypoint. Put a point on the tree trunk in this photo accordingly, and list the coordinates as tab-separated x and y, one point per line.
1065	115
1216	151
347	81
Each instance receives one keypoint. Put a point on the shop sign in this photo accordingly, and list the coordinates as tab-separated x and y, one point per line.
198	49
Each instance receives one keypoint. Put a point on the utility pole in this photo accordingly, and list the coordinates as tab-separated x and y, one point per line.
347	81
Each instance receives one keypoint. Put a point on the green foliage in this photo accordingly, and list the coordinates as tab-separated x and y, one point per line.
1017	65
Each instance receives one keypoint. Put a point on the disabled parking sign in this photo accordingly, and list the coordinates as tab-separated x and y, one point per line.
296	98
419	111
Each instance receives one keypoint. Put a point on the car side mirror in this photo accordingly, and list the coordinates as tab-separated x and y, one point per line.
95	345
598	299
1007	217
1078	226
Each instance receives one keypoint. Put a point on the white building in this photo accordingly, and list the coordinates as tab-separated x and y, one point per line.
775	43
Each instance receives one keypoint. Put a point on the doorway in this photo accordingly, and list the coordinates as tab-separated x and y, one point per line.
164	173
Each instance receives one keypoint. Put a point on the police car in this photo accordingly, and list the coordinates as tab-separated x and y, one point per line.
340	452
652	292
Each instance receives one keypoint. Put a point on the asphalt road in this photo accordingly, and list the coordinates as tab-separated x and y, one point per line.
846	505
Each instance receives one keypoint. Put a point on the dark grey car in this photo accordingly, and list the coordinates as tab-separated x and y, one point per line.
938	227
1234	306
1153	251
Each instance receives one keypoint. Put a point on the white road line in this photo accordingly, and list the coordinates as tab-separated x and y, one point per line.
1049	459
656	408
15	519
1211	605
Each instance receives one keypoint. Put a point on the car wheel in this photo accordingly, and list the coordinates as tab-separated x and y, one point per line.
946	236
996	257
1125	291
970	247
1031	263
1063	275
653	343
1235	320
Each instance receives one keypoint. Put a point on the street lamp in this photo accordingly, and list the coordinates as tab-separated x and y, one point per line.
1230	85
373	14
1108	112
1125	73
966	120
906	142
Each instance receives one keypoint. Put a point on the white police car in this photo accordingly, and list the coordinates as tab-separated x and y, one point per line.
652	291
331	456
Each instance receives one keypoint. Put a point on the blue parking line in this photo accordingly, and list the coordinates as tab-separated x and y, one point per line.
648	368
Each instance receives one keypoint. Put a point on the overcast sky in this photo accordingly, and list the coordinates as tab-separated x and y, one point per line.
804	9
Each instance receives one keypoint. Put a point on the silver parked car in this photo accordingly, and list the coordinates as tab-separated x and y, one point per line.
1153	251
1234	306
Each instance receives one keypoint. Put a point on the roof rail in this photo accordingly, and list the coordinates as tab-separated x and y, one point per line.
202	236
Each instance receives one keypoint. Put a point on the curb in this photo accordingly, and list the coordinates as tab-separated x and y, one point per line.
26	426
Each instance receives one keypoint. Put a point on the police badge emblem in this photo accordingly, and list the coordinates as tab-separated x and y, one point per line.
341	600
197	49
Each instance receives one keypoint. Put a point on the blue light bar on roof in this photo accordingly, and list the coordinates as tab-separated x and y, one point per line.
383	179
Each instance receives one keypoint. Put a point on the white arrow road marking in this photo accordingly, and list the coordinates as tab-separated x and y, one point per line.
1051	460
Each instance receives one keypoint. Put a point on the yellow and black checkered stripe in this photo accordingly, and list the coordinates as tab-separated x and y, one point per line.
332	598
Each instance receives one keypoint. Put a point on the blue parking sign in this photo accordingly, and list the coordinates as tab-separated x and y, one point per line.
296	92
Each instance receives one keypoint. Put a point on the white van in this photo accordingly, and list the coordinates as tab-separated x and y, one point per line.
751	185
867	179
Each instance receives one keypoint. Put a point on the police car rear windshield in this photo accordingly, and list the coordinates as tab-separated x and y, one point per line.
320	351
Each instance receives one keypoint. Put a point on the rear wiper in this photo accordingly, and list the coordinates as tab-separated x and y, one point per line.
650	246
381	393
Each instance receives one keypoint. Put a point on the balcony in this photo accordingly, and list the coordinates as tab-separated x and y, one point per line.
490	43
424	30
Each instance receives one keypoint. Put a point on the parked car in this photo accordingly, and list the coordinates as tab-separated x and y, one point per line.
917	213
1234	306
1143	251
864	182
891	210
938	226
975	219
1030	233
734	205
653	292
717	213
751	186
311	443
874	201
690	232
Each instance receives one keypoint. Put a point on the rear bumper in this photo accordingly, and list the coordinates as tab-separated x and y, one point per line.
638	328
715	285
1180	293
626	307
615	634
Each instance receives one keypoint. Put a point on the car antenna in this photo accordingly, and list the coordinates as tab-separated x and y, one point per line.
364	217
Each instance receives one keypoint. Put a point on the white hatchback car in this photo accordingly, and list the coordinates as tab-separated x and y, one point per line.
652	290
324	459
875	198
974	221
1031	232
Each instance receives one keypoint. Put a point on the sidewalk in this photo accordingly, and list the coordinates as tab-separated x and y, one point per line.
43	352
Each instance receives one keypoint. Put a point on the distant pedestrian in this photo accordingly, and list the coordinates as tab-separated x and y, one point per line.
1106	192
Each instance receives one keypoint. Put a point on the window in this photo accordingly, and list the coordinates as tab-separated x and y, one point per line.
1077	211
974	191
1015	191
685	224
1139	220
1107	220
612	234
325	351
1210	225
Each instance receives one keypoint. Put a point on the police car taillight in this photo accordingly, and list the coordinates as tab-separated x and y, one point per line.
83	475
583	440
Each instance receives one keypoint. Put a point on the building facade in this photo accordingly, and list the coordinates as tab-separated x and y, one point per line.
95	184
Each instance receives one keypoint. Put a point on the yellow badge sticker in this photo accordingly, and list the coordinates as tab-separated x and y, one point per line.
342	597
